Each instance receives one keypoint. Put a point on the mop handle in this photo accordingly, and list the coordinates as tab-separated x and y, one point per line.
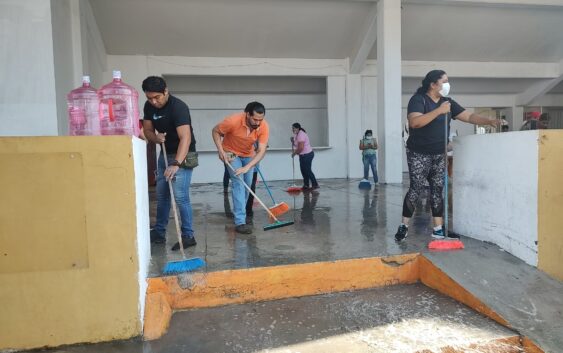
265	184
446	176
178	233
250	191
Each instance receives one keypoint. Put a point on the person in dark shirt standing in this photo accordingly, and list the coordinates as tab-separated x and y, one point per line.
427	112
167	120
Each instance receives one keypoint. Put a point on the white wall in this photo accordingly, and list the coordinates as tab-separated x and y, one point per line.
495	190
143	226
343	133
94	57
27	93
62	22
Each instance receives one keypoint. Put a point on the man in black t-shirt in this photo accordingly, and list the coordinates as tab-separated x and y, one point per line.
428	110
167	121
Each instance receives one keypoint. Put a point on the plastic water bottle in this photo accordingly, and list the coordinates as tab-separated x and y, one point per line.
119	108
83	110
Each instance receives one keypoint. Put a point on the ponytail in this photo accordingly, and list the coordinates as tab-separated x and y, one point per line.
298	126
431	77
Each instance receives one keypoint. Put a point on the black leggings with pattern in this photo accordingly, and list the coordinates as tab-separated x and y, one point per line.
422	168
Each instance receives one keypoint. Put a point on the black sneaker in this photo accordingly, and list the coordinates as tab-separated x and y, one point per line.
452	236
157	238
243	229
186	242
402	233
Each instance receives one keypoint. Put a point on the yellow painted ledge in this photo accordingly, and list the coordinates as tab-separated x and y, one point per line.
204	290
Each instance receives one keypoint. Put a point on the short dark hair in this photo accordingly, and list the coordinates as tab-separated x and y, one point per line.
368	132
431	77
154	84
255	107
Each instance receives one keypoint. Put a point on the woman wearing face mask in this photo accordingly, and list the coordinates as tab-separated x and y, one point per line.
368	145
302	147
428	110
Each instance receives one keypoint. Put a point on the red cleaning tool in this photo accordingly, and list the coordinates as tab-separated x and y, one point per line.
445	245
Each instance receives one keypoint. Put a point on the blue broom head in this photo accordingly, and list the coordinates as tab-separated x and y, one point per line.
186	265
364	184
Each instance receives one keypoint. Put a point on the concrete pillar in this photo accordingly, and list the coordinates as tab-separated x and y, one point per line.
389	89
354	124
517	118
28	106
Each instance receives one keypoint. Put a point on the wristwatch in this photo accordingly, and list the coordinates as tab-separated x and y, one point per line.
174	163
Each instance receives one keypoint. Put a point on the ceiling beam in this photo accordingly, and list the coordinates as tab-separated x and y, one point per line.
536	90
515	3
483	69
365	43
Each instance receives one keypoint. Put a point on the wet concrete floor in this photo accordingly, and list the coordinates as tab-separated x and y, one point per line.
403	318
339	221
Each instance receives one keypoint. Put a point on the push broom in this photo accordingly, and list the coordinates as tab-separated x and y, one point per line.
277	223
279	208
446	244
184	265
293	188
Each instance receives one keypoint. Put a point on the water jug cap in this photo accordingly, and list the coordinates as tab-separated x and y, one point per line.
85	79
117	74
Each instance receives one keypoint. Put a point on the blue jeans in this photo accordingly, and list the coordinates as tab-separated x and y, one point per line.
239	192
370	160
181	187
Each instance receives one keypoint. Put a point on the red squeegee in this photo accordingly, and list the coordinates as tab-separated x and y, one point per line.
445	244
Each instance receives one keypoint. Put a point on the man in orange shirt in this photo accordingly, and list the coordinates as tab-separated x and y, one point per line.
235	137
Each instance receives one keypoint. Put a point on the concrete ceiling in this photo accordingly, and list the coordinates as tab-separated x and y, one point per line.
327	29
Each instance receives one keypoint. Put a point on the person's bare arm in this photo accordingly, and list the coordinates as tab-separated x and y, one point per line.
218	139
477	119
418	120
151	134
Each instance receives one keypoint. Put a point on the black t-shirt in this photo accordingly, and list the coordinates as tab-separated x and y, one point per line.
430	139
166	119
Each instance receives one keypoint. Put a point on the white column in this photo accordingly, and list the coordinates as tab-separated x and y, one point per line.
517	119
28	106
389	89
354	124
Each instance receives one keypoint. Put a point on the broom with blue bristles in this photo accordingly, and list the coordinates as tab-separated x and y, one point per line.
184	265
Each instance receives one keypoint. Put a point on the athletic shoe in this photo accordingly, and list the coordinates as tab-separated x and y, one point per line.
186	242
452	236
157	238
243	229
438	234
402	233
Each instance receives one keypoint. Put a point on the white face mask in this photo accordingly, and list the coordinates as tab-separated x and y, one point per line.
368	136
445	89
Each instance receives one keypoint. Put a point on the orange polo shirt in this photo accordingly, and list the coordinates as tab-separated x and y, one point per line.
239	138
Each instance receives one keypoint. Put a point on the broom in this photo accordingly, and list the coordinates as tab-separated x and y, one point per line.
277	223
184	265
293	187
446	244
279	208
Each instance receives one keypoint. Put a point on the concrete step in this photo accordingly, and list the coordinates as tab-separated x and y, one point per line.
401	318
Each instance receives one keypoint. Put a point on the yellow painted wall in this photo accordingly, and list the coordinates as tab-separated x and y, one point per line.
550	203
68	255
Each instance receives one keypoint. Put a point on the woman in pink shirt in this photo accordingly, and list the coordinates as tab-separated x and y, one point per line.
302	147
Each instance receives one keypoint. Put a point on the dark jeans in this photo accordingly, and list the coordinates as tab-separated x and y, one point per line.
305	162
250	201
226	178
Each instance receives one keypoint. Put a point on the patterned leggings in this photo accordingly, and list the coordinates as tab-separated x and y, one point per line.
424	167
